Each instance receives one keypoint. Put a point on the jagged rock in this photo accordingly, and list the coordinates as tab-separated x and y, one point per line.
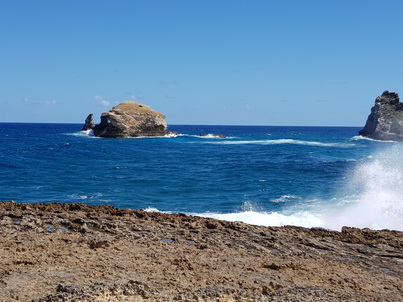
89	123
386	119
131	119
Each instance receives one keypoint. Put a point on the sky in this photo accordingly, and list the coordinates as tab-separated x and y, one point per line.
201	62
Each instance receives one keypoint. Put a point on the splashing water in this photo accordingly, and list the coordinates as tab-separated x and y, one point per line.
373	199
377	202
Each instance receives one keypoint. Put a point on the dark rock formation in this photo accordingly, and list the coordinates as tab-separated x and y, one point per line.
386	119
89	123
131	119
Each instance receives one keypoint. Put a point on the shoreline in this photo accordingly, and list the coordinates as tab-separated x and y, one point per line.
56	251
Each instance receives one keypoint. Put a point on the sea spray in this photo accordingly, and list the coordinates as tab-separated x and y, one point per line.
372	198
376	199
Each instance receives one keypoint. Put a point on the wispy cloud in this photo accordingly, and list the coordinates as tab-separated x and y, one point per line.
134	97
50	103
47	103
168	83
101	101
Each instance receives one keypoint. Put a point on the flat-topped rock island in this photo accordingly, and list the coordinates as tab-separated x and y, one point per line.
129	119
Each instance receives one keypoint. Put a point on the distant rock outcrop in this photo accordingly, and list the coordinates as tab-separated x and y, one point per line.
89	123
386	119
131	119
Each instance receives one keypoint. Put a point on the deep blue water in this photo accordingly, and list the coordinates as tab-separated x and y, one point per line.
311	176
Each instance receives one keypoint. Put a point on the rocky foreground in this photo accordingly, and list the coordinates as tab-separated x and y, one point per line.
76	252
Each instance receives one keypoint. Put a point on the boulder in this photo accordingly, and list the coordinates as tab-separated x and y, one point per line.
131	119
89	123
385	121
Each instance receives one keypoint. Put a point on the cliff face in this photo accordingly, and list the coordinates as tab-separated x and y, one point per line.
131	119
386	119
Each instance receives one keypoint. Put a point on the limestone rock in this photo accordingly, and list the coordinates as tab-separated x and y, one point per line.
131	119
386	119
89	123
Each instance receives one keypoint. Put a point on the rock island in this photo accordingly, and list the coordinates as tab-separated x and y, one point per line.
129	119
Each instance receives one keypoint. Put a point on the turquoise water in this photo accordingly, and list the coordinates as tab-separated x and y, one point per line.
308	176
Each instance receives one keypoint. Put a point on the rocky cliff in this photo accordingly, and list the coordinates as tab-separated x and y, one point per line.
131	119
386	119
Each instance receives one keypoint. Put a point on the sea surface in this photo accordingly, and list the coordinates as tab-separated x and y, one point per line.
307	176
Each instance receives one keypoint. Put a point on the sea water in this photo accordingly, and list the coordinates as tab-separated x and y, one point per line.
308	176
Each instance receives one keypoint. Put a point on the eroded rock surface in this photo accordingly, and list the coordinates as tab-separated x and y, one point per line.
386	119
76	252
131	119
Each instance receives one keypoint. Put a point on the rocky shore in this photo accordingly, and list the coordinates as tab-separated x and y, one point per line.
77	252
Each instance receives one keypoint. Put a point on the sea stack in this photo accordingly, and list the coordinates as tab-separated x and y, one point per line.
386	119
89	123
131	119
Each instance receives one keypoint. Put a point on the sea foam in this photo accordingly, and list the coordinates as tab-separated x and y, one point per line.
377	194
372	199
283	141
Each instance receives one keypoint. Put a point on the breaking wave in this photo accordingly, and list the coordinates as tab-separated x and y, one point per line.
283	141
372	199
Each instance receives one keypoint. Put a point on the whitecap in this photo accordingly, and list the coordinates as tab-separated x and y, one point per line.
284	198
86	133
152	210
284	141
360	137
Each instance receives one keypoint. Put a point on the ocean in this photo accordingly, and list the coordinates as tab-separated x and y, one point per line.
306	176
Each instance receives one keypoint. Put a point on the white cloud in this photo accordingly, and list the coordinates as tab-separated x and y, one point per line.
102	101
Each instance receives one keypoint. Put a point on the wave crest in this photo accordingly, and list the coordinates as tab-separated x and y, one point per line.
283	141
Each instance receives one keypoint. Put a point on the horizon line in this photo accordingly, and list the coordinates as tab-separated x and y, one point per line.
220	125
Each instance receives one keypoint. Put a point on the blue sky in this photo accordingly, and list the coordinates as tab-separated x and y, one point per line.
228	62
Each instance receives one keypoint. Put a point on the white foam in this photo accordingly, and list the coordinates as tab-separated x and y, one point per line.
86	133
359	137
304	219
284	198
372	199
210	135
378	199
284	141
